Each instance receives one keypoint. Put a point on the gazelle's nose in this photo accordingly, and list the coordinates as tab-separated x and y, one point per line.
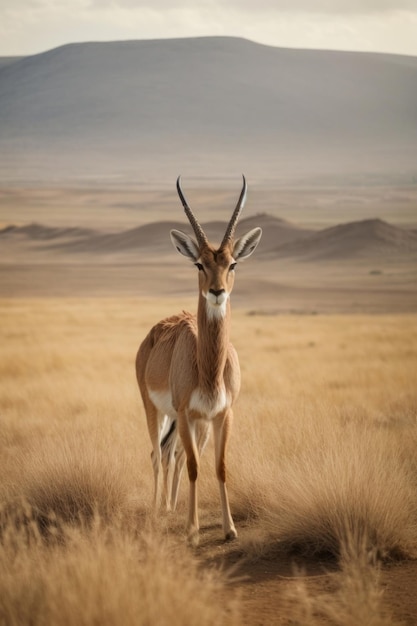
216	292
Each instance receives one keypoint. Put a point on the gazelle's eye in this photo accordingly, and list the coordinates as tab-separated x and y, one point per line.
232	267
199	266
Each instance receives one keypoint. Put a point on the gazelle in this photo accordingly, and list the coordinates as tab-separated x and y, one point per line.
188	371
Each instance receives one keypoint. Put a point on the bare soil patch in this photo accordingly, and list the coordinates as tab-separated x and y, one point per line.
266	583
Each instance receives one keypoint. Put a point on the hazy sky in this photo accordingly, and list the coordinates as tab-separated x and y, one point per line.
30	26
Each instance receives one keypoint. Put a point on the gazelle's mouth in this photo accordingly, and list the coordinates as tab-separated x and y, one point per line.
216	304
216	300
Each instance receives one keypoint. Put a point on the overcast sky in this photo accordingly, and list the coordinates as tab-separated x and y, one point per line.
31	26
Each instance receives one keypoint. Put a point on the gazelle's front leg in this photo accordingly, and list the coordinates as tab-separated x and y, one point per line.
187	433
221	427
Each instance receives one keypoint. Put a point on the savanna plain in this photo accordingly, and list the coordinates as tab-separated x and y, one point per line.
322	474
322	469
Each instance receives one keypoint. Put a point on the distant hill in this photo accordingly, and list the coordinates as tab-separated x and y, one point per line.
39	232
369	239
364	239
153	236
142	110
9	60
276	231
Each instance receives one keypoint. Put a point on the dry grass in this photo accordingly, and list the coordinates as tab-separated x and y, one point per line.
322	459
356	599
334	435
104	574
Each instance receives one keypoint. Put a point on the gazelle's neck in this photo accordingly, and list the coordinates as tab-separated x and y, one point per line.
212	344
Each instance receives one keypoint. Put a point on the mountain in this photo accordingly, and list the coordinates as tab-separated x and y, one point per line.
153	236
142	110
372	238
39	232
9	60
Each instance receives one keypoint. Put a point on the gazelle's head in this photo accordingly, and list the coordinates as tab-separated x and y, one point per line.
216	265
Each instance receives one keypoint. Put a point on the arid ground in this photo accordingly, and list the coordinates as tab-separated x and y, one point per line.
322	463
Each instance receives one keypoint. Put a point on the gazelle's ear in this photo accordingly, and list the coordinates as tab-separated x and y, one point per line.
185	245
246	244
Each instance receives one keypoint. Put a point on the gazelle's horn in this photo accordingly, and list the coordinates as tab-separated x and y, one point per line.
199	232
230	231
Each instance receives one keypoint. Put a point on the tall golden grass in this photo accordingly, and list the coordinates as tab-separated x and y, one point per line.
322	460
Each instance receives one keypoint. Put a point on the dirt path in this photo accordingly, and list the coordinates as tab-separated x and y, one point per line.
265	583
399	584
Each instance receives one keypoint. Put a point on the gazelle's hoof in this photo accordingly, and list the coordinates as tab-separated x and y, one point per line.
231	535
193	538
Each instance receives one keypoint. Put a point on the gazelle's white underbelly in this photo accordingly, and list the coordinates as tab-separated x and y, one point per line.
208	406
162	399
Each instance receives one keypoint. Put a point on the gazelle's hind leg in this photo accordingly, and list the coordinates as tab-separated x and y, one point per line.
154	426
202	434
156	465
168	446
163	436
179	466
